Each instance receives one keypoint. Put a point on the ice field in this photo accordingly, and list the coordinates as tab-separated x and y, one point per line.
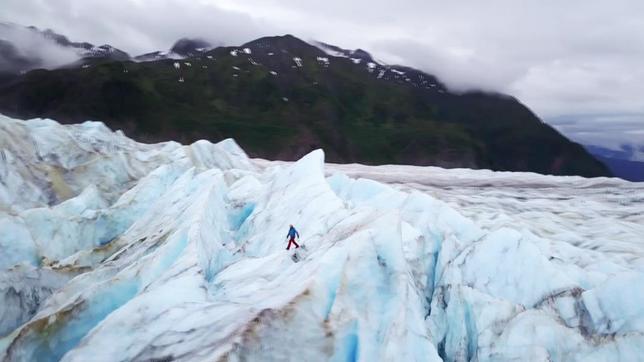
113	250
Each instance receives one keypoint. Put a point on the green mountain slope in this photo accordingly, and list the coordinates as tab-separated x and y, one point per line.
280	97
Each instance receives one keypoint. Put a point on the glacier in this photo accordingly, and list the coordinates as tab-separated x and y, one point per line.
114	250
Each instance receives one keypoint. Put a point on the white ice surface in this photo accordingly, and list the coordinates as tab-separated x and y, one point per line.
117	251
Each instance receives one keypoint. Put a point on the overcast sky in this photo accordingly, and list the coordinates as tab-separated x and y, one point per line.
578	64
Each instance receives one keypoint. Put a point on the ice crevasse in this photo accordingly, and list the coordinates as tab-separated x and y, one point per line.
113	250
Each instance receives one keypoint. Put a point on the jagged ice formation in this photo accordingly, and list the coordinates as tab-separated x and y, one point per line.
114	250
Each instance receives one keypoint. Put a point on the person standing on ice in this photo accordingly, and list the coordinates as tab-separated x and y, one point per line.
291	237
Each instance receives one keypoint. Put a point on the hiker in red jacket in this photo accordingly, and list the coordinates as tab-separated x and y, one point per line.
291	236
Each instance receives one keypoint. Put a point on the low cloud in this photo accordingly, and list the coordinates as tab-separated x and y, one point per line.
32	46
136	26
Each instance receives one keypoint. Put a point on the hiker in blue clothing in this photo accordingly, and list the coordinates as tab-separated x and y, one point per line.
291	237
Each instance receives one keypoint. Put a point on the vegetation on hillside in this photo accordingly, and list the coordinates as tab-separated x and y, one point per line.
278	109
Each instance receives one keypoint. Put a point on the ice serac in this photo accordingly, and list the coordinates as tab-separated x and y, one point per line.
120	251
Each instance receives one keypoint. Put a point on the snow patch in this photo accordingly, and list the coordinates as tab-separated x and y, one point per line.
324	61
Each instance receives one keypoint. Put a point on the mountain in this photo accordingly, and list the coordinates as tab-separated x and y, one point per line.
281	97
183	48
627	162
628	170
190	47
114	250
26	48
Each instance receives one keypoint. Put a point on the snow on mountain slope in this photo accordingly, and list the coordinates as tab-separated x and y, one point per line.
118	251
